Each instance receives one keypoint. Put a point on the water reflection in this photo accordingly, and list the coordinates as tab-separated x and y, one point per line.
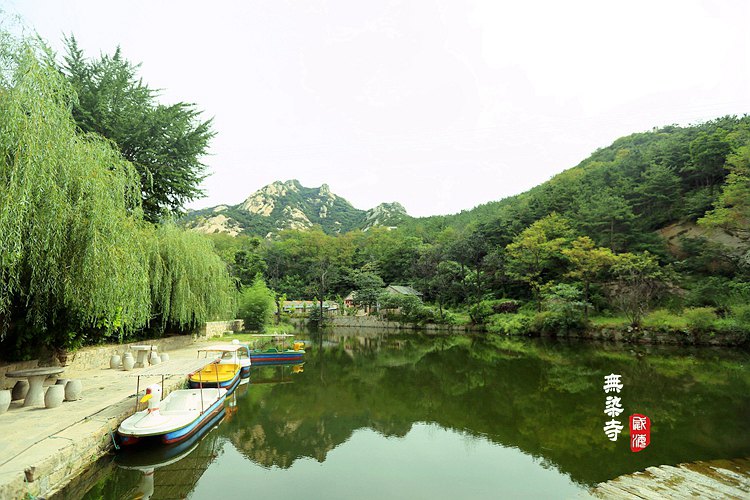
532	410
544	398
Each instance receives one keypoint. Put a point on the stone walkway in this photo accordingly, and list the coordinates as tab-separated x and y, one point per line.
42	449
713	479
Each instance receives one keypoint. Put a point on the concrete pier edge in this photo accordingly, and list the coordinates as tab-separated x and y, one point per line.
50	464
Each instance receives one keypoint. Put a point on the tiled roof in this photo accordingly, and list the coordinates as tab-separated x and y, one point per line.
404	290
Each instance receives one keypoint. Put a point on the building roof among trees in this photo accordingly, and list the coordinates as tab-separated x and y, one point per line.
403	290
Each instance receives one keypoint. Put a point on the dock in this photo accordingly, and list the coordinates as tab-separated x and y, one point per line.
42	449
711	479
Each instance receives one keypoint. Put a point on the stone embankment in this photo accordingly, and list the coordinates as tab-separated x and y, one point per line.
646	336
715	479
375	322
42	449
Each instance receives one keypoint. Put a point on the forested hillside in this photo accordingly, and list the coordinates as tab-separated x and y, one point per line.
657	218
623	192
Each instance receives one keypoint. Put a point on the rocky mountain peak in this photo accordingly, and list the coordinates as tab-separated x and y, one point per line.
289	205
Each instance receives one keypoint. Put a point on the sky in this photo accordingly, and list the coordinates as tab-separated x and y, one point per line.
439	105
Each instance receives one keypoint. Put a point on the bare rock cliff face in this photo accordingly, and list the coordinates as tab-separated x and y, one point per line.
289	205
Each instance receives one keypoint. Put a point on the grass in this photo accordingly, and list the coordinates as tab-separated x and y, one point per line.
661	318
461	317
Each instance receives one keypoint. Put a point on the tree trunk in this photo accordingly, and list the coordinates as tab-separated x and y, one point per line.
586	301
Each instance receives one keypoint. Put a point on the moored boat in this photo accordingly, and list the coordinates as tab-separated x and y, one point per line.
238	354
274	356
221	373
177	417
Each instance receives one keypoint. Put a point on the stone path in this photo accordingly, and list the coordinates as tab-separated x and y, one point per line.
42	449
713	479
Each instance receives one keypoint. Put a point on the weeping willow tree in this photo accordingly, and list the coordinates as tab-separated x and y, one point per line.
77	260
190	283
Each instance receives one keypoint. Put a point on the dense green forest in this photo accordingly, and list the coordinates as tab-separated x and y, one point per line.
86	256
657	219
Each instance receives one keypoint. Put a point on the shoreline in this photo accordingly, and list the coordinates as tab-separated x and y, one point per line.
62	446
624	334
44	449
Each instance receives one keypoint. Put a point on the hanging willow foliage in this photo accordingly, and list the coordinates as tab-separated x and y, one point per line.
72	237
76	252
190	283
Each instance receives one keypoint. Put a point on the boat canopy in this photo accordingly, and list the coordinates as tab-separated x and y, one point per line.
271	335
222	348
172	367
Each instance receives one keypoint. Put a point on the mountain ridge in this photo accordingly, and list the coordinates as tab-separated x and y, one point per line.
288	204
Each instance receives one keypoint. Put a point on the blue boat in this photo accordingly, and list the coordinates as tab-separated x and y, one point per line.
274	356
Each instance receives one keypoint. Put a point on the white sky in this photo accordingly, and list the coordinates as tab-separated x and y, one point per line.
439	105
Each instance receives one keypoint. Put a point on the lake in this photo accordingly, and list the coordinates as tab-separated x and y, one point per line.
376	415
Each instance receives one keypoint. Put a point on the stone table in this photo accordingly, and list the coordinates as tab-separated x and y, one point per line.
36	376
140	360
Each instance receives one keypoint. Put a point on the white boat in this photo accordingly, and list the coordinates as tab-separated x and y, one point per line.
175	418
172	419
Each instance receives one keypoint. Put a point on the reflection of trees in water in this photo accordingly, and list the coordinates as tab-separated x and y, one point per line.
542	397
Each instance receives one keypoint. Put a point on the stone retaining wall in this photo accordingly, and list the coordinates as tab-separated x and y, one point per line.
217	328
7	383
645	336
375	322
94	357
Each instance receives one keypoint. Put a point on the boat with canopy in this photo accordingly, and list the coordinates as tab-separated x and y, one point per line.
176	417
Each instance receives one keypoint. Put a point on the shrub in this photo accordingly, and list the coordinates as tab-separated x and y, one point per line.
741	313
555	322
509	324
256	305
663	320
731	326
479	313
700	319
564	311
505	306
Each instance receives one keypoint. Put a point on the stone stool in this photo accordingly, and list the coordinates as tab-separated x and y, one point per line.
54	396
20	390
128	361
73	390
4	400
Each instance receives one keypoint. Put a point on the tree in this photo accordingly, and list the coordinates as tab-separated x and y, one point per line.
708	153
256	305
607	218
367	287
639	280
732	209
247	264
78	263
536	252
658	193
190	283
164	143
71	237
587	263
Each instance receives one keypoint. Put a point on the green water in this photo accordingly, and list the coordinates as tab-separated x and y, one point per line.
378	416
